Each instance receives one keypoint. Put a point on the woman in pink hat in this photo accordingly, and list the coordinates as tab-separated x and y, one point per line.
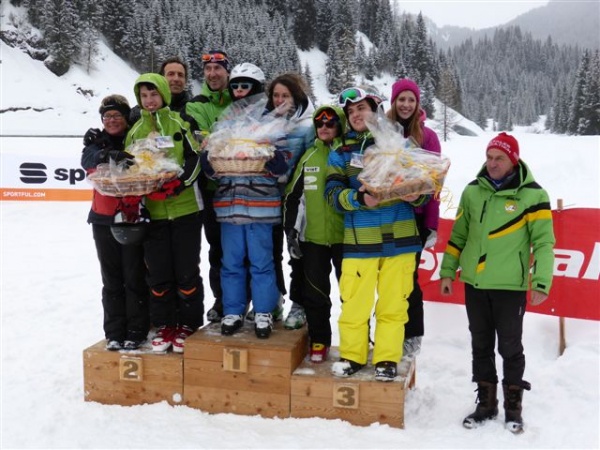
406	110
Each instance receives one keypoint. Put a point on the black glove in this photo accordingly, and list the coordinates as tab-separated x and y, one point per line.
277	165
293	244
91	136
205	164
120	156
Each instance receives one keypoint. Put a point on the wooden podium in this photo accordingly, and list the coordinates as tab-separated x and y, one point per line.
242	374
359	399
131	377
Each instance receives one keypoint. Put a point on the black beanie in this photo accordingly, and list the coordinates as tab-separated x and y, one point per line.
115	102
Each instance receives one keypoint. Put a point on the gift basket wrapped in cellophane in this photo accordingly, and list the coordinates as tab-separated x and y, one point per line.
395	166
151	168
243	139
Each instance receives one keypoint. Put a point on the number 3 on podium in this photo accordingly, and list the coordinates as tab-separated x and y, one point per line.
345	396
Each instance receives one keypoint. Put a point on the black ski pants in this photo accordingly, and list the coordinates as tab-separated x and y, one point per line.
212	231
416	320
172	254
124	289
494	313
316	287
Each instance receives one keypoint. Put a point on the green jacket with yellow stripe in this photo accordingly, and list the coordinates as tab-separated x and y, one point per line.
497	230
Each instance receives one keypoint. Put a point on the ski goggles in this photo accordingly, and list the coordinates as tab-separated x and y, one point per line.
214	57
244	86
327	115
352	95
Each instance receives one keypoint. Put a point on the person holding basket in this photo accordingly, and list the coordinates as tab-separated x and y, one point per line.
247	202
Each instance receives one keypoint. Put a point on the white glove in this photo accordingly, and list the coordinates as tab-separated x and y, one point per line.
431	239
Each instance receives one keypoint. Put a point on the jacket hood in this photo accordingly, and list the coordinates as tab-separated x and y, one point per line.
161	83
339	112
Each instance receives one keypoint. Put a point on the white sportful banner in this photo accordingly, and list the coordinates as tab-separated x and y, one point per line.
43	169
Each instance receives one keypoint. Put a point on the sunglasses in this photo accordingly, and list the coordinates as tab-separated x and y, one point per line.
235	86
329	124
108	117
213	57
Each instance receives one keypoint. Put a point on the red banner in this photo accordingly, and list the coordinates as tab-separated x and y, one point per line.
576	285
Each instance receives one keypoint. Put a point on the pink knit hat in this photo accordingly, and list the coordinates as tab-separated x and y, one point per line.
405	84
507	144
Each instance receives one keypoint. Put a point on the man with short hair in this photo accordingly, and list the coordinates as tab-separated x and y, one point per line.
205	109
175	70
502	240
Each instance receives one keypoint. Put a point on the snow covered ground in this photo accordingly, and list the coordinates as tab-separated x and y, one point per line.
51	310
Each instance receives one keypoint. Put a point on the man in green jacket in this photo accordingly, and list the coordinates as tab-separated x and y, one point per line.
503	218
205	109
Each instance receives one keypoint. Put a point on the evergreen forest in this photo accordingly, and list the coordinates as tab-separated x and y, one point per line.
509	77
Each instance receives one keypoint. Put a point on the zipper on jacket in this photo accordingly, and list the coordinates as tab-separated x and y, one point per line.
523	269
483	211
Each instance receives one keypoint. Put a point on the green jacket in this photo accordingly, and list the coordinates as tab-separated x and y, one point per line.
184	150
207	107
306	209
496	231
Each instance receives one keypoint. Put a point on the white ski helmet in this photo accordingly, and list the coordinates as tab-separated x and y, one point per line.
247	70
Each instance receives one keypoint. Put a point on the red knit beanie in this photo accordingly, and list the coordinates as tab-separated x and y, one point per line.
508	144
406	84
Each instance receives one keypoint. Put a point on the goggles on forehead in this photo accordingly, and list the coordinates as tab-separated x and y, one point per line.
355	95
352	95
326	115
213	57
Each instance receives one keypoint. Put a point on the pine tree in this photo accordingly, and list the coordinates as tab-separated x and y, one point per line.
114	22
578	99
420	60
303	28
589	124
309	84
324	25
90	14
341	56
59	26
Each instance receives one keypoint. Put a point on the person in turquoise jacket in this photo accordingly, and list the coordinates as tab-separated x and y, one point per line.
503	219
380	243
314	229
172	246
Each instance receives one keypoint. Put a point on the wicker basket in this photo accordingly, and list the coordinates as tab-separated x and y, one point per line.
248	166
409	187
129	184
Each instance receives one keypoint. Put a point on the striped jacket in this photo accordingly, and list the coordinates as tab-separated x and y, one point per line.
243	200
496	231
388	229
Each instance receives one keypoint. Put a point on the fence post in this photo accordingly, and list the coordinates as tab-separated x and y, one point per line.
562	343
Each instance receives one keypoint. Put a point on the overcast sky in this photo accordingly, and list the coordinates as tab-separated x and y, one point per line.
470	13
